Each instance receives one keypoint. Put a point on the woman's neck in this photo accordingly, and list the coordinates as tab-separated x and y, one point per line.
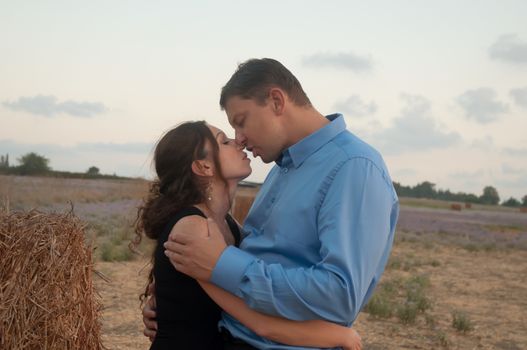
220	201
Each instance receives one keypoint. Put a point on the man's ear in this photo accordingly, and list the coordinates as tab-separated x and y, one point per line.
202	167
277	99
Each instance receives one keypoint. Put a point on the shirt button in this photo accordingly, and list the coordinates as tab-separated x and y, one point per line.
272	200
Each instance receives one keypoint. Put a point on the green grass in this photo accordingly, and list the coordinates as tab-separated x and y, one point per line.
461	322
404	298
380	305
442	339
112	235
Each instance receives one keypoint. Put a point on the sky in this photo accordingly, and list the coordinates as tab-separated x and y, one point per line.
438	87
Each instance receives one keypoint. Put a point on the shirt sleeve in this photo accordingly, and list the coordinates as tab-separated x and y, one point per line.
356	221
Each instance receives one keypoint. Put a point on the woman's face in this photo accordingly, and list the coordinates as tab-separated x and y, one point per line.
233	160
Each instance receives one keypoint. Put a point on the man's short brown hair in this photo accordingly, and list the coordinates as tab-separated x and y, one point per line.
253	79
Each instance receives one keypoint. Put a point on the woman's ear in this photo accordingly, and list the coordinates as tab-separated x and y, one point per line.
202	167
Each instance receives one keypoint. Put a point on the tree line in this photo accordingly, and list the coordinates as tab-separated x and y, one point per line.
427	189
33	164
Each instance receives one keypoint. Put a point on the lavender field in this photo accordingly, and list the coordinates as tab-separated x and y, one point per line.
456	279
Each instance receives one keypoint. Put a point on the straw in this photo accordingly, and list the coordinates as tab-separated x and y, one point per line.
47	297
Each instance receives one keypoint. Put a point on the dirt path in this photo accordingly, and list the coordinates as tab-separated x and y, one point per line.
489	286
122	325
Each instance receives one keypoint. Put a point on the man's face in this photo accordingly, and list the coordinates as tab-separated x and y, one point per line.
256	126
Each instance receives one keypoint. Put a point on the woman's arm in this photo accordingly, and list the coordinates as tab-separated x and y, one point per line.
314	333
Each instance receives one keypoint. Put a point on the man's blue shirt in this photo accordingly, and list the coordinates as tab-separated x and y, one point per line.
318	235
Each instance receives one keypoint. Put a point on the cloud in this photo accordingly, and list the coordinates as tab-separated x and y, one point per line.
10	146
509	48
341	60
49	106
468	175
414	130
509	169
129	147
519	96
406	172
515	151
485	143
354	106
481	105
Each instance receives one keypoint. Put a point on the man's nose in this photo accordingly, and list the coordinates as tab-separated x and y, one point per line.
241	140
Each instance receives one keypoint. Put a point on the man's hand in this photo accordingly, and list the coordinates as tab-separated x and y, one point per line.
194	252
149	313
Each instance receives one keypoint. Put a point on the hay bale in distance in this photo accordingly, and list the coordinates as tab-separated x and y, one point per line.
241	206
455	206
47	299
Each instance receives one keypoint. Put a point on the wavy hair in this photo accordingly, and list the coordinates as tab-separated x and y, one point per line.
175	186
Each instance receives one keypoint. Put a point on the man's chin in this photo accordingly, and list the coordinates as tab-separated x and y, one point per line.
265	160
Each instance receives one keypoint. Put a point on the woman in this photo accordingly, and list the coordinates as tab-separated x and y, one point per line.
198	170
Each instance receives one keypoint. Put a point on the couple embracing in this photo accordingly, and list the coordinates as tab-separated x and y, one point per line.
312	248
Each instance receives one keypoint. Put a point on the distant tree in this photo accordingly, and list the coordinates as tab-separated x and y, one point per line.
511	202
489	196
32	164
93	171
425	189
524	201
471	198
4	162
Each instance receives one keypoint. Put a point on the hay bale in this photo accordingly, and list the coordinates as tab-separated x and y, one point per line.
240	207
47	299
455	206
468	205
523	209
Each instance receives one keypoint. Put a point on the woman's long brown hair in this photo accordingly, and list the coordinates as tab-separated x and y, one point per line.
175	186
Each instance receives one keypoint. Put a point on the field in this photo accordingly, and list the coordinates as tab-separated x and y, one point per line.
456	279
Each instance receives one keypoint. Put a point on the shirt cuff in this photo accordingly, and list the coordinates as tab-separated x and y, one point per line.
230	269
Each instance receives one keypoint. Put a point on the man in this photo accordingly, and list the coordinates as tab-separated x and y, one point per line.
320	231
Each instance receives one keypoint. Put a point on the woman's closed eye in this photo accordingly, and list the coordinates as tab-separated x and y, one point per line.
227	141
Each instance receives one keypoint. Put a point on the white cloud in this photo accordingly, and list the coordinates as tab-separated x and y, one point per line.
49	106
354	106
509	48
521	152
340	60
520	96
414	130
481	105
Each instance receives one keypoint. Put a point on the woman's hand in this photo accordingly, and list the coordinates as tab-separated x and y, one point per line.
354	341
149	314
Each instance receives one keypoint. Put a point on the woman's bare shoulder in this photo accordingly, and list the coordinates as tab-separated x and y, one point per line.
194	224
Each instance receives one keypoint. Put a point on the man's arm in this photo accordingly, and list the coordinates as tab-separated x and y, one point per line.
355	225
313	333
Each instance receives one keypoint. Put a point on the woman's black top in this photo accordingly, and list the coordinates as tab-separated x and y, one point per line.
186	317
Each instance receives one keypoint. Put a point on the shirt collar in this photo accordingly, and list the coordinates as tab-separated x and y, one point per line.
300	151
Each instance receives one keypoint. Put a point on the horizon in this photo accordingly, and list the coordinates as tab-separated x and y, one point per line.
435	186
440	89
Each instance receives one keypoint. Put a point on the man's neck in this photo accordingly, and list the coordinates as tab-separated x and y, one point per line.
302	122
